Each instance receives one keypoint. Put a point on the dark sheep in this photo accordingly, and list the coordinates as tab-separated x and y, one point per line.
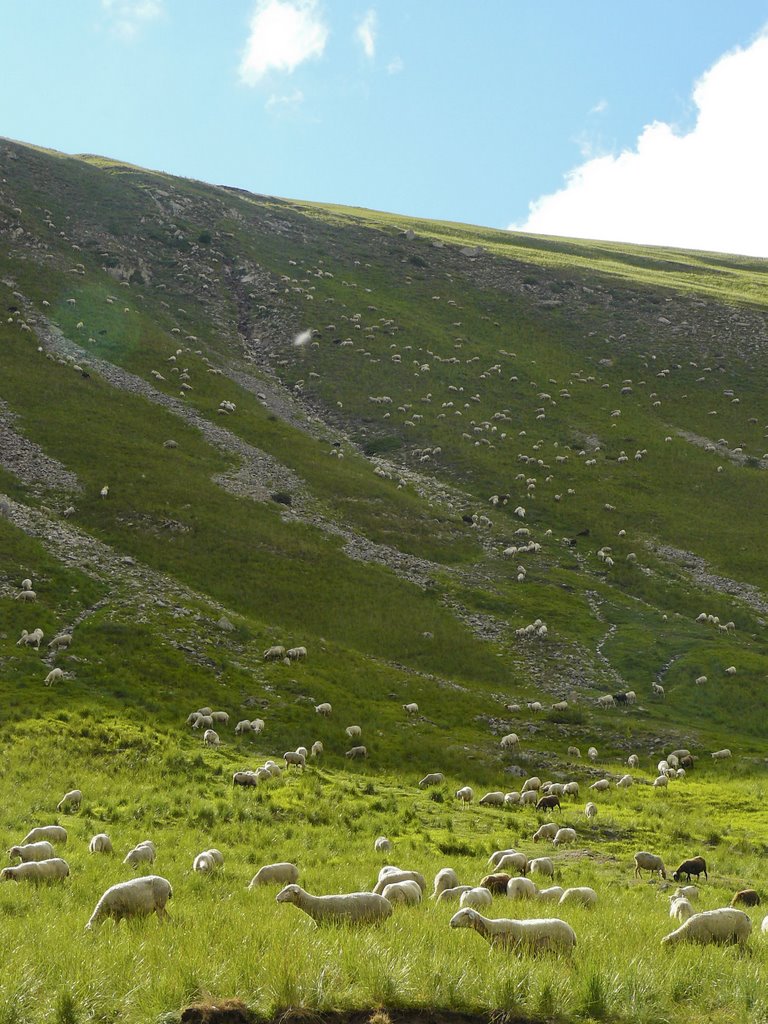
747	898
497	884
620	698
548	803
695	866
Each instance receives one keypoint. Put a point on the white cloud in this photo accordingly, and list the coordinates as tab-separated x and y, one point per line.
284	33
366	33
701	190
288	101
395	66
129	16
600	107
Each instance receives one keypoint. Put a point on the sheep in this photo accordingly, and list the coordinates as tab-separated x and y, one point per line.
433	779
541	866
354	753
571	789
496	883
531	785
324	710
293	757
721	755
243	727
518	861
590	810
407	892
645	861
393	874
104	492
579	894
661	782
140	854
625	782
510	741
477	897
731	670
207	861
691	892
275	653
520	889
497	855
465	794
512	799
592	754
574	752
353	731
26	596
257	725
680	908
446	878
26	584
53	833
32	852
61	642
550	895
548	803
564	835
533	934
411	709
31	639
693	866
211	738
100	843
296	654
449	895
747	898
633	761
52	870
246	778
383	845
546	831
70	801
54	676
347	908
316	749
494	799
658	690
220	717
138	897
203	722
722	925
282	873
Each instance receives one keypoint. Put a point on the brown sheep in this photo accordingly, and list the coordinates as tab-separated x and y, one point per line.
548	803
747	897
497	884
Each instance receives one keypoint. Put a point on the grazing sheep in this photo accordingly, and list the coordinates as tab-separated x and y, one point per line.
433	779
143	853
324	710
389	873
275	653
246	778
731	670
317	749
449	895
546	831
446	878
242	727
548	803
61	641
691	892
354	753
31	852
31	639
353	731
571	789
694	866
580	894
296	653
532	785
293	757
633	761
138	897
497	855
53	833
383	845
520	889
601	785
533	934
764	925
564	835
510	741
70	801
592	753
529	798
645	861
407	892
208	861
658	690
591	810
495	799
680	908
541	866
104	492
477	897
26	595
283	873
512	799
516	861
661	782
721	755
220	717
211	738
54	676
257	724
100	843
347	908
747	898
550	895
496	883
723	925
465	794
411	709
625	782
51	870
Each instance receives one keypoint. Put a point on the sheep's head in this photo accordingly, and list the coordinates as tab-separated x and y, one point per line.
14	852
290	894
7	874
465	918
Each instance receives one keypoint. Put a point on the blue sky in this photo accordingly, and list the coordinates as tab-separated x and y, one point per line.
493	112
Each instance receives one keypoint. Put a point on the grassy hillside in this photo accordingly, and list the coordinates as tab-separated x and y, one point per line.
305	416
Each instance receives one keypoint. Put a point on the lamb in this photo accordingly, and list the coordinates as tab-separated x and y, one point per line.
138	897
61	641
411	709
546	831
141	854
645	861
31	639
449	895
70	801
720	755
747	898
347	908
324	710
433	779
496	883
723	925
446	878
208	861
390	874
283	873
54	676
680	908
533	934
354	753
26	595
541	866
407	892
520	889
353	731
691	892
32	852
579	894
465	794
511	799
477	897
494	799
661	782
53	833
275	653
52	870
257	725
211	738
694	866
293	757
100	843
571	788
564	835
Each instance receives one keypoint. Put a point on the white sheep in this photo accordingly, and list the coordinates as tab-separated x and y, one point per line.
465	794
408	892
138	897
353	731
241	728
601	785
220	717
517	861
143	853
282	873
571	788
550	895
53	833
520	889
275	653
541	866
296	653
446	878
389	873
720	755
645	861
450	895
564	835
476	897
32	852
54	676
30	639
532	785
690	892
633	761
347	908
433	779
592	753
579	894
26	584
61	641
680	908
317	748
494	799
510	741
661	782
625	782
26	596
211	738
533	934
324	709
70	801
257	725
383	845
411	709
355	753
547	831
496	856
725	924
293	757
591	810
100	843
512	799
51	870
208	860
